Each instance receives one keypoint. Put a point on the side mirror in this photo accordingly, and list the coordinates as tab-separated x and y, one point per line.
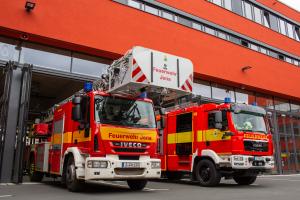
76	112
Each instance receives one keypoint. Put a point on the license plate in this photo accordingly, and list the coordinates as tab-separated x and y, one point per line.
258	158
130	165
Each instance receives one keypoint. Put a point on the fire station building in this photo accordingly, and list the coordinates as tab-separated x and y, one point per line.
248	50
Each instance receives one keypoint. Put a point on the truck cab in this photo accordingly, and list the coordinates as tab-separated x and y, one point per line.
212	141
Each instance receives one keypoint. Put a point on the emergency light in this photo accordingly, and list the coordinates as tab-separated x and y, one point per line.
88	86
227	100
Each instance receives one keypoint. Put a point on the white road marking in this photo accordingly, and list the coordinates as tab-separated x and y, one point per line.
8	195
280	179
282	175
31	183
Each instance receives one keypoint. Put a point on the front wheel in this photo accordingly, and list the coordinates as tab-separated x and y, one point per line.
73	184
244	180
207	174
137	184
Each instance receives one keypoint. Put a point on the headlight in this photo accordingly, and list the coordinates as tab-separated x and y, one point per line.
97	164
155	165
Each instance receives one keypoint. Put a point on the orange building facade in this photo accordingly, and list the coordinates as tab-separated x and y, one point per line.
245	49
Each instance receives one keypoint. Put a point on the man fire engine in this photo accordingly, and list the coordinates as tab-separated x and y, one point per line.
108	131
211	141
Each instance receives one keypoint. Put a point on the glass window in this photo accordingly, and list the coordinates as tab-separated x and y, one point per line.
134	4
254	47
290	30
235	40
297	33
244	97
273	54
263	50
218	2
247	10
289	60
244	43
296	62
227	4
167	15
209	30
8	50
266	18
257	15
202	88
222	92
197	26
222	35
274	23
264	101
47	57
88	65
282	27
295	108
282	105
151	10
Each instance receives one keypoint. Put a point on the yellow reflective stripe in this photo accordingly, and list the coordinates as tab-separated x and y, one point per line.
79	136
182	137
214	135
128	134
200	136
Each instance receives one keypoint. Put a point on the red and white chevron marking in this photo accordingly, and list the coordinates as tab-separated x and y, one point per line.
188	84
137	73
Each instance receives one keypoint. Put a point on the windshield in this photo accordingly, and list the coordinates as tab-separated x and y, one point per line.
249	122
127	112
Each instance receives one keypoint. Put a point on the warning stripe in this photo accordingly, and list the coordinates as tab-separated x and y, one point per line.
188	84
141	79
137	73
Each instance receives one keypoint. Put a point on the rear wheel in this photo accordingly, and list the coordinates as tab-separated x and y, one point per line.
174	175
207	174
136	184
244	180
73	184
34	176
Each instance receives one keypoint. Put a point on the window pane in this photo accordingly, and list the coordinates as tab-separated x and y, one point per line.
290	30
202	88
295	108
297	33
263	50
167	15
254	47
266	19
209	30
221	93
134	4
222	35
289	60
218	2
257	15
264	101
296	62
282	26
247	10
244	97
197	26
47	57
281	105
151	10
88	65
8	50
227	4
273	54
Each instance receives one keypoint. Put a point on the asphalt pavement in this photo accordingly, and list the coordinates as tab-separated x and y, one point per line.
274	187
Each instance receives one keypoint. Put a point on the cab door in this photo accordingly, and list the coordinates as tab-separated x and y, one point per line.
57	146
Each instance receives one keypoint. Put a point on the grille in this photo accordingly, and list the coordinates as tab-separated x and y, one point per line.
256	146
126	172
130	150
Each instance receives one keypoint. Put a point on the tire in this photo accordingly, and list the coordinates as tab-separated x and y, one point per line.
207	174
137	185
244	180
173	176
72	183
34	176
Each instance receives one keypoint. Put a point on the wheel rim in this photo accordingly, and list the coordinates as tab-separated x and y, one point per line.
70	174
205	173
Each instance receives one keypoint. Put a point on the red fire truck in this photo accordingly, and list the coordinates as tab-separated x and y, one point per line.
108	131
212	141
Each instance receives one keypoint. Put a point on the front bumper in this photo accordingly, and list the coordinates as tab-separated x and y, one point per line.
247	162
116	171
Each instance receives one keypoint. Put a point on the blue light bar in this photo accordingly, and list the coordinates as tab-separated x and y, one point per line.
143	95
88	86
254	103
227	100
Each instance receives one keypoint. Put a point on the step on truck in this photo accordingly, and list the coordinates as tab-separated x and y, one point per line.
212	141
108	131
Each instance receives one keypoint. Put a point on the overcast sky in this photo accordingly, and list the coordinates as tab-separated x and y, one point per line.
292	3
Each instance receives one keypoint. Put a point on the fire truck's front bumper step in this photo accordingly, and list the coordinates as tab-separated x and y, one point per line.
111	168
